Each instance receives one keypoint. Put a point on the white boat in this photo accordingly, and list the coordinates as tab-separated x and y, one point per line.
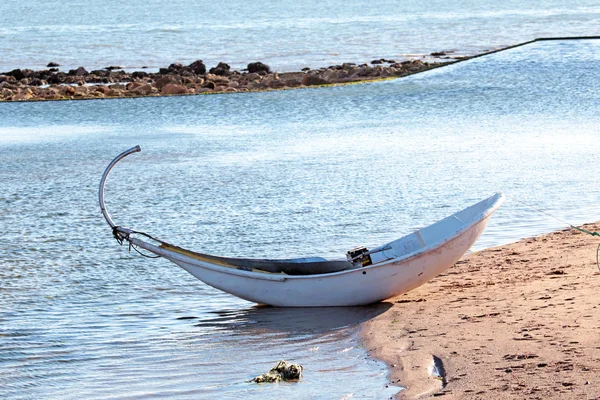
363	277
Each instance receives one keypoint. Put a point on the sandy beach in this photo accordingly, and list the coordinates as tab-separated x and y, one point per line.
513	322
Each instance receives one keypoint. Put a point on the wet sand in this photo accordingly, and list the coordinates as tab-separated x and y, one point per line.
518	321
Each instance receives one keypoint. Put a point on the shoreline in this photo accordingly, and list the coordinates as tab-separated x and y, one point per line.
509	322
22	85
113	82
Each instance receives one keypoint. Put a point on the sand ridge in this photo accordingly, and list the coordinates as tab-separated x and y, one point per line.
518	321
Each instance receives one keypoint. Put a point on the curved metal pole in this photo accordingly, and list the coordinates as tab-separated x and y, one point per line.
103	181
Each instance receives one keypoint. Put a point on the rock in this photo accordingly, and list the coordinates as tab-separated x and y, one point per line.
218	79
291	79
18	74
50	94
257	67
139	74
113	67
197	67
330	76
282	371
78	72
415	66
9	85
100	73
313	79
52	64
210	85
56	78
221	69
23	95
377	62
172	88
175	67
67	90
252	76
81	91
5	93
133	85
167	79
144	90
115	92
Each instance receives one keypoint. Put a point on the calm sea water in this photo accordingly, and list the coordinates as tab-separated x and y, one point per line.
280	174
286	34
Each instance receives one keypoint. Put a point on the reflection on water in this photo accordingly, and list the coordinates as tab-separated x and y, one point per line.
294	321
281	175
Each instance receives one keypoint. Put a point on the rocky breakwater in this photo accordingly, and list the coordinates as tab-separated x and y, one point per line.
179	79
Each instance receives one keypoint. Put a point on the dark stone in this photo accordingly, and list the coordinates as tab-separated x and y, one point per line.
166	80
175	67
53	70
198	67
37	82
221	69
139	74
43	74
100	72
80	72
57	78
210	85
8	79
52	64
311	80
257	67
376	62
113	67
163	71
305	69
18	74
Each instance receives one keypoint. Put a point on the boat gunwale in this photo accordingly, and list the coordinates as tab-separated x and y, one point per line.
496	201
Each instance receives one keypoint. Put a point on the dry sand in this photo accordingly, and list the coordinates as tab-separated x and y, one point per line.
519	321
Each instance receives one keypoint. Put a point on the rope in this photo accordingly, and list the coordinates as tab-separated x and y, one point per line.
571	226
122	236
131	246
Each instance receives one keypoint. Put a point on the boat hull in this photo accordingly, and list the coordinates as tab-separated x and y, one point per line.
348	288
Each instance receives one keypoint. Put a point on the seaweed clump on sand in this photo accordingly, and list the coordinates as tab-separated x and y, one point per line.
283	371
